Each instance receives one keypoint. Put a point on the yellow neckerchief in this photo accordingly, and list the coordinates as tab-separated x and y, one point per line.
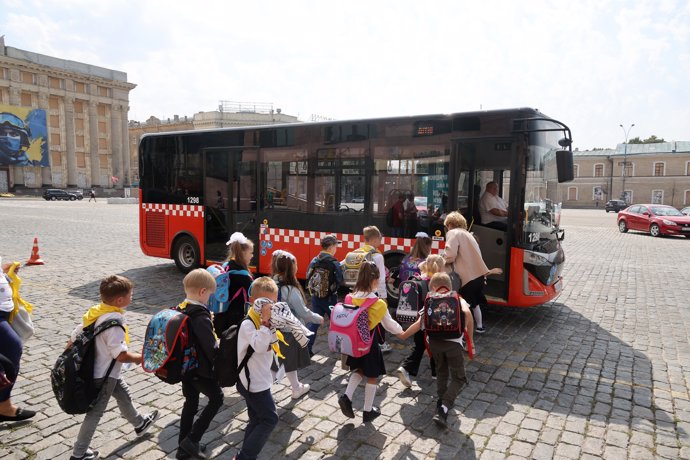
256	319
368	248
95	312
186	302
15	284
377	310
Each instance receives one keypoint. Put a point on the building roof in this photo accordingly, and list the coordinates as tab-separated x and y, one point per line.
639	149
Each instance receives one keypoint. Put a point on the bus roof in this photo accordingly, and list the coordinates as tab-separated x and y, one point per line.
519	110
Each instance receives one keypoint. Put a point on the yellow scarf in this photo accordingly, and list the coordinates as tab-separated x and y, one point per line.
256	319
15	284
97	311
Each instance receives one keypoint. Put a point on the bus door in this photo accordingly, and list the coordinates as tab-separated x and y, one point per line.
476	164
230	177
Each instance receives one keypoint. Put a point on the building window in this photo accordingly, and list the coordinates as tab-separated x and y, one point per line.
599	170
572	193
81	160
657	197
54	121
53	103
687	197
576	170
79	138
101	127
79	124
56	159
78	107
56	83
29	78
103	161
101	110
27	100
687	168
102	143
55	140
659	168
628	169
3	73
103	91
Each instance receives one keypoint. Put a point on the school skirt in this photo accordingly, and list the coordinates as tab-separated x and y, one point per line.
296	357
371	364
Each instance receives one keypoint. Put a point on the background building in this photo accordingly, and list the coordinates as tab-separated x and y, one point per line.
655	173
75	117
229	114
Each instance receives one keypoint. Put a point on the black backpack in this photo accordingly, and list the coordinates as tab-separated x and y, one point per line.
443	317
225	364
72	376
321	278
411	296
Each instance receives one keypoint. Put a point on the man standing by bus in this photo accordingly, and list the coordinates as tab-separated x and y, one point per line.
492	209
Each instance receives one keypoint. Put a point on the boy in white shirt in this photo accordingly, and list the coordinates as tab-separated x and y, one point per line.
111	350
258	338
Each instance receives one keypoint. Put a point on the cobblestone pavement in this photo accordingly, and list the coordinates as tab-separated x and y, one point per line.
602	372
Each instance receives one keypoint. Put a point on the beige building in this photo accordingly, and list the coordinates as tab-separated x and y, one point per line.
85	131
655	173
229	115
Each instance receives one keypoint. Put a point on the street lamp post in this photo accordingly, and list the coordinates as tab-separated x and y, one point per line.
625	159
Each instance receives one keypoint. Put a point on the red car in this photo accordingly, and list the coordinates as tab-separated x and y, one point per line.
656	219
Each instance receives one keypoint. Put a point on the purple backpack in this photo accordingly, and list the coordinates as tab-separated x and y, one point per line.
409	267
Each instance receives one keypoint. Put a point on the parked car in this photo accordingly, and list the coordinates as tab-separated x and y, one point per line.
656	219
615	205
685	211
53	194
78	193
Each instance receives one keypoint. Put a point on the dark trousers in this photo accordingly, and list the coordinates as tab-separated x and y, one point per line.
11	347
414	359
263	418
321	307
191	388
450	369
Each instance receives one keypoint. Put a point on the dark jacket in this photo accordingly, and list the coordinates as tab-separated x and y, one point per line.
236	307
203	338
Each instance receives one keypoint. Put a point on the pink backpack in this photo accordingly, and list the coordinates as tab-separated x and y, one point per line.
349	332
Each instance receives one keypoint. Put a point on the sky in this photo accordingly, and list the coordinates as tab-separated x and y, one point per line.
592	64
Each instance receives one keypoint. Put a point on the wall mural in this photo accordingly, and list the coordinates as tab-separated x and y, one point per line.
23	136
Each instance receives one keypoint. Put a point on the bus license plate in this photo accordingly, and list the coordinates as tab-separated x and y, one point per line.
558	286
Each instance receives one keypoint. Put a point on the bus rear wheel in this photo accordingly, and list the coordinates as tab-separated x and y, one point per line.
186	254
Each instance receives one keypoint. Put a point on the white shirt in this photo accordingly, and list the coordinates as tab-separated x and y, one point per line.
6	303
488	202
109	344
259	365
381	290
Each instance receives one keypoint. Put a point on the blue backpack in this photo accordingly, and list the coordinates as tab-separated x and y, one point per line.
220	300
409	267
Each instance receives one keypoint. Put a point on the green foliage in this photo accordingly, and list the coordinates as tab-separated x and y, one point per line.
650	140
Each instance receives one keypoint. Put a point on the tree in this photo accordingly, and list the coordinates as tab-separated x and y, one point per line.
650	140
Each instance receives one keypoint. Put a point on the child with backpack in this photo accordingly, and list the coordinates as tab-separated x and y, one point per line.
284	266
369	252
258	339
111	351
409	267
445	334
324	277
419	289
370	365
198	287
232	311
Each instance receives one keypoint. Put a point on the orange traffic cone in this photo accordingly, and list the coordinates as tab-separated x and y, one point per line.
35	259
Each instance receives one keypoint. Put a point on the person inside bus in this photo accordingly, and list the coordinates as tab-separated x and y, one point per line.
397	220
492	209
410	210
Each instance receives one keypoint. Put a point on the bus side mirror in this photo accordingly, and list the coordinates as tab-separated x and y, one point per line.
564	165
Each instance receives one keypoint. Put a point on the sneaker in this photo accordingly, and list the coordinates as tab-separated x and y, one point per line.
192	449
146	424
346	406
89	455
385	347
404	377
480	330
303	390
370	415
441	418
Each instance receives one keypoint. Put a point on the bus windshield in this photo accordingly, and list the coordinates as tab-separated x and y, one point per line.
542	206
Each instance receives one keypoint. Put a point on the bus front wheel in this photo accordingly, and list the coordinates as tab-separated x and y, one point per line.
186	254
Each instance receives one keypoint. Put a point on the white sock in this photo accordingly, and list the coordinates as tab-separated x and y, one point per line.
355	380
477	316
294	381
369	393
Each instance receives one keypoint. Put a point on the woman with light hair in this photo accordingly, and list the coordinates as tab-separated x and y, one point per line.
463	254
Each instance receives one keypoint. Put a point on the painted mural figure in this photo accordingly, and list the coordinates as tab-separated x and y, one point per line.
22	138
